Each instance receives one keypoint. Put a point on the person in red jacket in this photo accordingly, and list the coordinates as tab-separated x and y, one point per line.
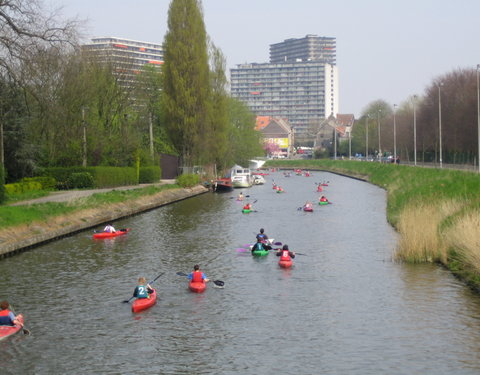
197	275
7	317
248	206
285	254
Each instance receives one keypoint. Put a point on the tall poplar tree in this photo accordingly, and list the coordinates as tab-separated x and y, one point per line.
186	93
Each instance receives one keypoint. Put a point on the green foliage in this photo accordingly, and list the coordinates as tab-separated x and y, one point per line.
2	186
188	180
102	176
150	175
80	180
48	183
22	187
244	142
186	94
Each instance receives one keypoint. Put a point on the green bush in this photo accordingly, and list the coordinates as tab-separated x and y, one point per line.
80	180
150	175
188	180
3	196
48	183
22	187
102	176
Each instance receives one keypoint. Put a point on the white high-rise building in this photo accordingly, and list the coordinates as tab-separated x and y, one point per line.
304	91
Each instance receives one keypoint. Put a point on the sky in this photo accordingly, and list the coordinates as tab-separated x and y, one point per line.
386	49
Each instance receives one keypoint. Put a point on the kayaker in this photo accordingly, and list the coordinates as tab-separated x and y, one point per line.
7	317
323	199
248	206
319	189
285	253
109	229
259	246
197	276
308	205
240	197
262	235
143	289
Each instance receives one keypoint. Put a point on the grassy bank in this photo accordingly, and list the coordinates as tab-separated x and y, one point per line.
11	216
436	211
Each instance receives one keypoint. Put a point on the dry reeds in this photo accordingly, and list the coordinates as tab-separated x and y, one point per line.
463	236
418	226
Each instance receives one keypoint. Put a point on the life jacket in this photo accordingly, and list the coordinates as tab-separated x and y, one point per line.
258	246
197	277
141	291
261	236
247	207
5	319
285	255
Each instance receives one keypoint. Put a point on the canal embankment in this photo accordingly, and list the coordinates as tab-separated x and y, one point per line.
435	211
84	213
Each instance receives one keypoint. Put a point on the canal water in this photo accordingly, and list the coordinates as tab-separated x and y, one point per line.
344	307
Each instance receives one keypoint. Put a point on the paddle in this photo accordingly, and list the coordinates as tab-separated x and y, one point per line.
151	282
216	282
294	252
25	331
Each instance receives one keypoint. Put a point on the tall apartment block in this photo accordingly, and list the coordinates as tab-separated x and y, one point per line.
299	91
299	84
126	56
310	48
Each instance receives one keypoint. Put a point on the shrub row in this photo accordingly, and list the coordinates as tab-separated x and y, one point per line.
150	175
68	177
22	187
188	180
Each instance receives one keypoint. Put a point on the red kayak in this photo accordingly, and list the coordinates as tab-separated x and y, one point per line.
7	331
141	304
285	263
111	234
308	209
197	287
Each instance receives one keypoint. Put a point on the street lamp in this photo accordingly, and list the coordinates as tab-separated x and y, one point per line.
414	131
478	119
366	136
379	143
394	135
440	122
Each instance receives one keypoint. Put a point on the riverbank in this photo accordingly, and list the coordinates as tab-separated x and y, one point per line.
435	211
83	213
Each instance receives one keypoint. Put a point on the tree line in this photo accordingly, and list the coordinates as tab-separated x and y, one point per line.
448	105
60	106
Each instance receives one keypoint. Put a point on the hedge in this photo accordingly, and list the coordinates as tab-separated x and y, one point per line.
188	180
150	175
3	196
102	176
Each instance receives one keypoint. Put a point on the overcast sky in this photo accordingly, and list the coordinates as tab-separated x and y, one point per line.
386	49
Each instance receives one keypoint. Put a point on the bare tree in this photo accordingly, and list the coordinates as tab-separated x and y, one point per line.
26	27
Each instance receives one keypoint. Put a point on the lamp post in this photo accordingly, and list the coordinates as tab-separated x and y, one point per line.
414	131
394	134
334	143
84	126
478	119
379	143
350	144
366	137
440	122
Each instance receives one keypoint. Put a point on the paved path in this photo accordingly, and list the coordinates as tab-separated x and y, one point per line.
69	195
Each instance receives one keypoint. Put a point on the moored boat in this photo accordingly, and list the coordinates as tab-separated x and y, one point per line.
241	177
141	304
223	184
197	286
111	234
7	331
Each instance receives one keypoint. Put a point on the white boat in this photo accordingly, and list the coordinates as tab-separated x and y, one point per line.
258	180
241	177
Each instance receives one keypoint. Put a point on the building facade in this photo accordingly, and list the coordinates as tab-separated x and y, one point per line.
300	91
126	56
309	48
278	132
